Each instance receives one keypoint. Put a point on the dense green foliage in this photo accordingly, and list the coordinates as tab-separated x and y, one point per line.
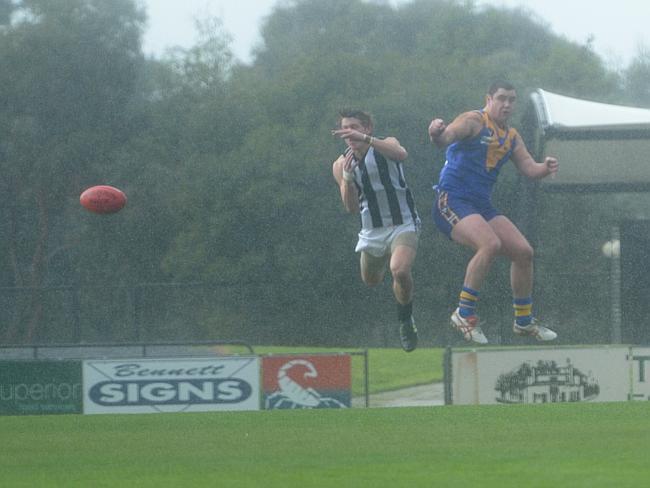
228	166
582	445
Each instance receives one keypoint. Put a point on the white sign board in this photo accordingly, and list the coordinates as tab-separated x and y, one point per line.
540	375
640	357
171	385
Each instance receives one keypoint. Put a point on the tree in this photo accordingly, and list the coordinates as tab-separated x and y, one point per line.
637	78
69	68
263	194
228	166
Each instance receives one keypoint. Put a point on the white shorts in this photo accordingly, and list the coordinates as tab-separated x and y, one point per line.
380	242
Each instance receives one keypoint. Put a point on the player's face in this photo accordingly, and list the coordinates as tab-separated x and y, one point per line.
501	105
353	124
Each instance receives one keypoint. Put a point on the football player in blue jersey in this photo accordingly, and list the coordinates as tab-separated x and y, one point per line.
478	143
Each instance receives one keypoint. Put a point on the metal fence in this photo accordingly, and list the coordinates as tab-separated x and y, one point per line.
200	312
140	313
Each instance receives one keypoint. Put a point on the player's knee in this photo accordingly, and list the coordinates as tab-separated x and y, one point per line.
491	247
525	253
401	273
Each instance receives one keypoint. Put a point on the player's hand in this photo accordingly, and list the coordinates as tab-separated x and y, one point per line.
436	127
349	163
350	134
552	166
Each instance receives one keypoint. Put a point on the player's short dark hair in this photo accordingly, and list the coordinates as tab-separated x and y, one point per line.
364	117
506	85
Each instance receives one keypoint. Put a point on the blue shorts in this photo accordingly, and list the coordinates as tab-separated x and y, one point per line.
449	209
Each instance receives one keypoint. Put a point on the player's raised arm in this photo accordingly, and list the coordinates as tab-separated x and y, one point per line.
528	166
389	147
466	125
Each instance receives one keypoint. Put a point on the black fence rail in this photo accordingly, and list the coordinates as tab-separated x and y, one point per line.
122	350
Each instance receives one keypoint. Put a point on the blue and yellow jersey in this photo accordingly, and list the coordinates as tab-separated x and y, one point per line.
473	165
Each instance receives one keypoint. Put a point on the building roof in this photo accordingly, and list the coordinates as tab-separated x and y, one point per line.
561	113
601	147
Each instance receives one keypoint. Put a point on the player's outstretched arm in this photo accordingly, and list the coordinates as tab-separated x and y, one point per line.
389	147
464	126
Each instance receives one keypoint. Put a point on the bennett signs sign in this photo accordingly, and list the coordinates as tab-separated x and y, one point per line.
171	385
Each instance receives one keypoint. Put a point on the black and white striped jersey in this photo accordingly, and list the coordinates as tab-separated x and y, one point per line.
384	197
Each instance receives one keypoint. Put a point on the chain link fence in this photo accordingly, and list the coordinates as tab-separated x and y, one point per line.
578	306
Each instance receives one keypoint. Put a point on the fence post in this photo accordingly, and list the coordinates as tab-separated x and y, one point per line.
366	377
447	375
133	304
76	313
615	283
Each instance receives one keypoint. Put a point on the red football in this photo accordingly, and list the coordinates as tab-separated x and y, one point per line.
103	199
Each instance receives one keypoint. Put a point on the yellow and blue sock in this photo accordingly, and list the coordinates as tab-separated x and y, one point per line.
467	302
523	310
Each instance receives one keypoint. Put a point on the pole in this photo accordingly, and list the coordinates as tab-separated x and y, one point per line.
615	283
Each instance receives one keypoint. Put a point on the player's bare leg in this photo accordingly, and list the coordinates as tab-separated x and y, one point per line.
373	269
401	263
474	232
516	247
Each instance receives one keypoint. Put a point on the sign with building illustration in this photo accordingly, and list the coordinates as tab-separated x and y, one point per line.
306	381
541	375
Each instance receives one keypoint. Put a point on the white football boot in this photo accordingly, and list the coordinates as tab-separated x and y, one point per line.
469	327
535	330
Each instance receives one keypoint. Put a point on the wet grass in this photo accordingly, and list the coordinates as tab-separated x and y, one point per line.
576	445
389	369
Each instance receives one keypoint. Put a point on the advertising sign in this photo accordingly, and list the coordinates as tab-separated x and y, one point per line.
640	357
40	387
541	375
309	381
171	385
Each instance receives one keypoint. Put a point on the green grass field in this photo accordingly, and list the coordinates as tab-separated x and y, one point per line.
389	369
551	445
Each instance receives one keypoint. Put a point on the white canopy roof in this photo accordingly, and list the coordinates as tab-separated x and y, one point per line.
565	113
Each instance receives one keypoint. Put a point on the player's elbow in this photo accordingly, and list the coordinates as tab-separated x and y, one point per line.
442	141
532	171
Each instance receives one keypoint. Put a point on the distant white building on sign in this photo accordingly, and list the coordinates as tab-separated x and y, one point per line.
546	382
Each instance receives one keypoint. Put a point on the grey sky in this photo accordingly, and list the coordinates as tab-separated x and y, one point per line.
618	28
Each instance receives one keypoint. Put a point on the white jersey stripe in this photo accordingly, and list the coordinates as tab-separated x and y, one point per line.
384	197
